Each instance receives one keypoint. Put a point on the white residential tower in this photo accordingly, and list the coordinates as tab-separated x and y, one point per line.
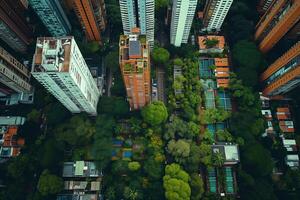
183	12
215	12
138	13
59	66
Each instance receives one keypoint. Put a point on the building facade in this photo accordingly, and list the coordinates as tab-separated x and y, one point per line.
59	66
183	12
14	29
138	13
135	68
264	5
276	22
52	15
284	74
10	143
14	80
215	12
92	17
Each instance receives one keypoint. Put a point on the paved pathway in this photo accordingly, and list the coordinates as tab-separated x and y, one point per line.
160	74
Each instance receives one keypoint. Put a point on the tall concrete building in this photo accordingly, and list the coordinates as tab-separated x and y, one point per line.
284	74
264	5
138	13
215	12
52	15
14	80
59	66
135	68
92	17
282	16
183	12
14	29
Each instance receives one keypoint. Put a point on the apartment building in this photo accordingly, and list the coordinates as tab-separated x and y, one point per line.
52	15
82	181
138	13
14	80
281	17
135	68
183	12
264	5
14	29
59	66
10	143
92	17
215	12
284	74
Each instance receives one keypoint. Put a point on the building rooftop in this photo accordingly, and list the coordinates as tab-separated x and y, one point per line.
77	197
53	53
283	113
287	126
229	151
134	49
289	144
12	120
219	45
80	169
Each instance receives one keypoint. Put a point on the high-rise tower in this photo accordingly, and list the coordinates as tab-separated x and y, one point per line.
282	16
135	68
59	66
92	16
52	15
14	29
138	13
284	74
14	79
215	12
183	12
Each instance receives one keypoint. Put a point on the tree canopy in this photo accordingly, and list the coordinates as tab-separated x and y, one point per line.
49	184
155	113
176	183
160	55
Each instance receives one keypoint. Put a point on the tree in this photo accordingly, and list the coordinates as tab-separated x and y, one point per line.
153	168
110	193
119	167
102	143
257	160
160	56
206	154
159	4
77	131
197	186
155	113
49	184
34	115
130	194
194	159
179	149
134	166
116	106
218	159
248	59
93	47
111	61
176	183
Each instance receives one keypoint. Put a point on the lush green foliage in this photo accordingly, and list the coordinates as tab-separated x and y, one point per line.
49	184
176	183
155	113
160	55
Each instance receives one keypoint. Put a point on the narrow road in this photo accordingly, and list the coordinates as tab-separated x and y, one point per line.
109	82
160	74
